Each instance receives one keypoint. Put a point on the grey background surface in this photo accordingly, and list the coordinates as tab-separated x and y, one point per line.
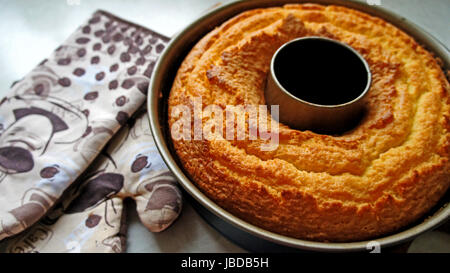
31	30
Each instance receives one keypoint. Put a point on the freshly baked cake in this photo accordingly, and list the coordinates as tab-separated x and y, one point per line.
375	179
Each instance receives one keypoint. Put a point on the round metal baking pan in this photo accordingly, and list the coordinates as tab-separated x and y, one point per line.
161	83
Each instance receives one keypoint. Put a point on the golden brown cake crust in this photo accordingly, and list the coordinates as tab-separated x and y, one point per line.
373	180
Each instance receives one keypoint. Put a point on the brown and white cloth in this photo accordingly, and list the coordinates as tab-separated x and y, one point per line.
90	217
56	120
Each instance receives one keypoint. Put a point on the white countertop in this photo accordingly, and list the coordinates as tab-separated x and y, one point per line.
31	30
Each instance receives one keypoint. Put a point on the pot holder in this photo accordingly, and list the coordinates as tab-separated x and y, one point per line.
56	120
91	216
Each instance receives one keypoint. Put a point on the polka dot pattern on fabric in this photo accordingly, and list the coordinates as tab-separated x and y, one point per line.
87	89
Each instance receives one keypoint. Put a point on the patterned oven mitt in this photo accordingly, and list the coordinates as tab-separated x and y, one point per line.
56	120
90	217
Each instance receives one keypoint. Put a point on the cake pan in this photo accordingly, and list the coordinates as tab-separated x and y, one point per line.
159	88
